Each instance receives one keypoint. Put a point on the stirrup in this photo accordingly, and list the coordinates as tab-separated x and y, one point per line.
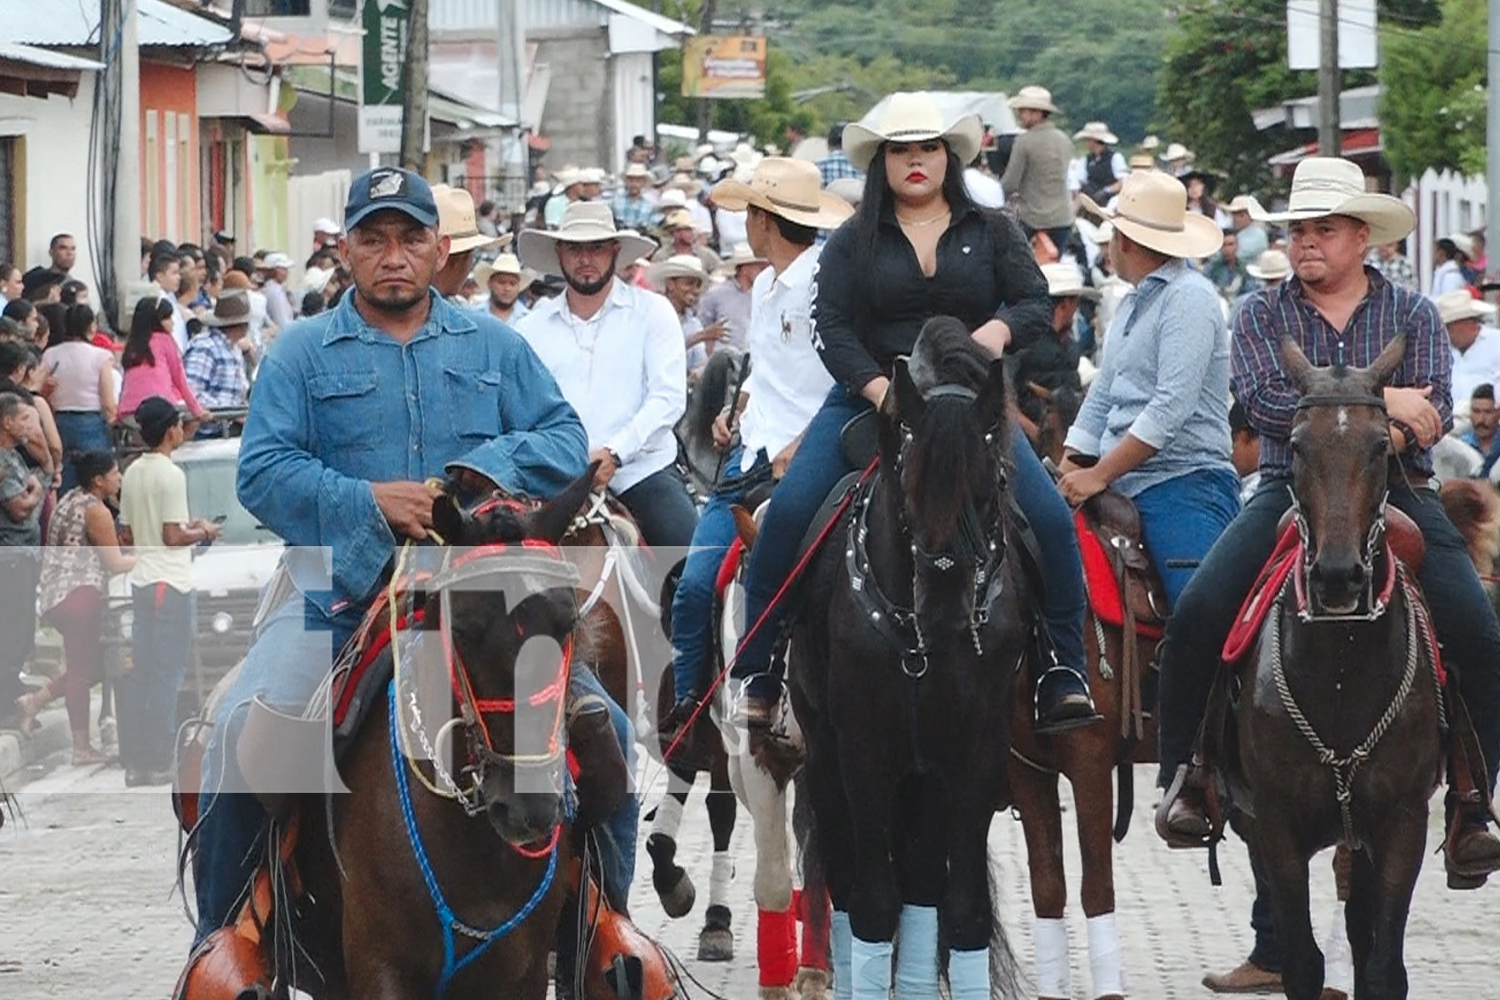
1085	715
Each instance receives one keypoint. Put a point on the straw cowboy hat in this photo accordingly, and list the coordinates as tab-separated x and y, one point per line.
1271	265
1150	144
1033	98
458	221
1244	203
1099	132
1177	151
789	188
672	198
1064	282
1329	185
506	263
1152	211
679	218
681	265
1460	305
583	222
913	117
739	257
637	170
1141	161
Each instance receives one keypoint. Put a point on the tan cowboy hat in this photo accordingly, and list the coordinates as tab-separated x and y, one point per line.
1152	211
1460	305
792	189
679	219
1141	161
1033	98
680	265
1064	282
1177	151
739	257
913	117
1244	203
1271	265
583	222
458	221
637	170
1099	132
1329	185
506	263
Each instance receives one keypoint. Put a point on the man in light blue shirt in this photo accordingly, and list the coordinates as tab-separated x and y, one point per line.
353	410
1157	416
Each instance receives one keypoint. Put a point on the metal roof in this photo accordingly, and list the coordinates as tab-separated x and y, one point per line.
46	58
76	23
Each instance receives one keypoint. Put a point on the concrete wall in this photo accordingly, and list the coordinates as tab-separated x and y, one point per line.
578	116
55	181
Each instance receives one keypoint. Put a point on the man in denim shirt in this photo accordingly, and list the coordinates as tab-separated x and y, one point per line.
353	410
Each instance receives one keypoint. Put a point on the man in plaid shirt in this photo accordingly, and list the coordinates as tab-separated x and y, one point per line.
1338	310
214	363
836	165
631	208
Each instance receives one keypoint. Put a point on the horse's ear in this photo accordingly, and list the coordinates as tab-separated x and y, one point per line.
909	402
448	520
1389	359
552	519
1297	366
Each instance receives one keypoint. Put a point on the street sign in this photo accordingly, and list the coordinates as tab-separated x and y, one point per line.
382	87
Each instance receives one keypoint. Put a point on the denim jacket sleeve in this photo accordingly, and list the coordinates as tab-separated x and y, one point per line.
542	446
297	496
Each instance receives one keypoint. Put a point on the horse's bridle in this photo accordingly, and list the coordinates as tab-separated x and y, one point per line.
1376	601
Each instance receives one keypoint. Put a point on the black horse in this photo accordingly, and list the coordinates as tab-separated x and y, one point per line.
915	621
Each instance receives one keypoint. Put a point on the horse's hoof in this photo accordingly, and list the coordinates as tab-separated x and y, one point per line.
812	984
677	894
716	944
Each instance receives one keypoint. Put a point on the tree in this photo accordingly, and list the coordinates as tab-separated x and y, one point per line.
1432	113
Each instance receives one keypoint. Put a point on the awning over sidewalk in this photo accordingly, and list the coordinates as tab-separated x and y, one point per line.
32	72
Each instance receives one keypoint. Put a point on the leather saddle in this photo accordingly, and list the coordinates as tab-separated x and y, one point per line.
1124	587
860	439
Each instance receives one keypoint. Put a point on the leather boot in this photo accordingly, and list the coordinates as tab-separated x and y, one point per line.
1182	816
1063	701
1472	855
1247	978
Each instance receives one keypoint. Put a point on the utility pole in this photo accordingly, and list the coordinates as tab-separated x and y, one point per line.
1492	135
1329	79
123	71
706	27
414	108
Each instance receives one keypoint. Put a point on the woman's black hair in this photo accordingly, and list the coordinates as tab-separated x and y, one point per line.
78	322
151	316
54	315
19	310
90	465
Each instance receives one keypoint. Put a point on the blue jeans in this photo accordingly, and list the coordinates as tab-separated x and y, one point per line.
692	607
160	647
662	509
1182	518
817	467
80	431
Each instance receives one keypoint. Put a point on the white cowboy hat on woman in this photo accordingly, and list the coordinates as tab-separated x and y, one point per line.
1099	132
913	117
1330	185
583	222
1033	98
681	265
1152	211
789	188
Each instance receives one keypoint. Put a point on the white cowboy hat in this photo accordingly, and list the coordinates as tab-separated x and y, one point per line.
1034	98
1460	305
1176	151
672	198
739	257
1103	233
913	117
1064	282
1244	203
637	170
1099	132
506	263
458	221
1463	241
1152	211
680	265
1271	265
850	189
274	261
591	175
792	189
566	178
1150	143
583	222
315	279
1329	185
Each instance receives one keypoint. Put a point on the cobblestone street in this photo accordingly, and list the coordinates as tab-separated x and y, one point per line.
87	908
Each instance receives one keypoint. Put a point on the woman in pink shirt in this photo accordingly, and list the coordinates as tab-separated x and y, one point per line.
153	365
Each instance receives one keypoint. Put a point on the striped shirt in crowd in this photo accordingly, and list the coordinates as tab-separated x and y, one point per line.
1270	399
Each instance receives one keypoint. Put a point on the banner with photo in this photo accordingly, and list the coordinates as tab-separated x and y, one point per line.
724	66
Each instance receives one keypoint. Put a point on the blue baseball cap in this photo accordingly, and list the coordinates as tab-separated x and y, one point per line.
390	188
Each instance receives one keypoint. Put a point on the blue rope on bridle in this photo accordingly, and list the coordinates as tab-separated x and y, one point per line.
451	924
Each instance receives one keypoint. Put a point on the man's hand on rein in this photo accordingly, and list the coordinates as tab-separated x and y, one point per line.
407	507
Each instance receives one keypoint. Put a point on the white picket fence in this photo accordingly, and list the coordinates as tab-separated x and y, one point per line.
1444	203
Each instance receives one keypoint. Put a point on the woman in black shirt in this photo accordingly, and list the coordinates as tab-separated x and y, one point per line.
918	247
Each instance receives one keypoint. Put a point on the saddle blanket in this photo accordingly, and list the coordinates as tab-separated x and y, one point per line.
1105	598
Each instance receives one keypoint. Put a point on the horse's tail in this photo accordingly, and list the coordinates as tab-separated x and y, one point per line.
1474	509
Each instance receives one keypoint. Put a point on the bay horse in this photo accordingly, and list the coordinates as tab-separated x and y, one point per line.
905	646
1332	735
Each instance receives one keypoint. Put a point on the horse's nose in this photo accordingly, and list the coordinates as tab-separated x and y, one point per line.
1339	576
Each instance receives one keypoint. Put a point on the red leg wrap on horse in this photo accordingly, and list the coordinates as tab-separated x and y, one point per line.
776	947
814	912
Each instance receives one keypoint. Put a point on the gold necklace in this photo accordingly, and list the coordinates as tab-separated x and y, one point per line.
945	213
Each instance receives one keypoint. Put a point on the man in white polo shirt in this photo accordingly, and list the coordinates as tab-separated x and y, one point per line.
616	352
786	386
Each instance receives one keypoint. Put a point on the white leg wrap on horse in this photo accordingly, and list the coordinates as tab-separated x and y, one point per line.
1050	936
718	882
969	974
871	961
840	941
916	959
1338	960
1105	965
668	817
